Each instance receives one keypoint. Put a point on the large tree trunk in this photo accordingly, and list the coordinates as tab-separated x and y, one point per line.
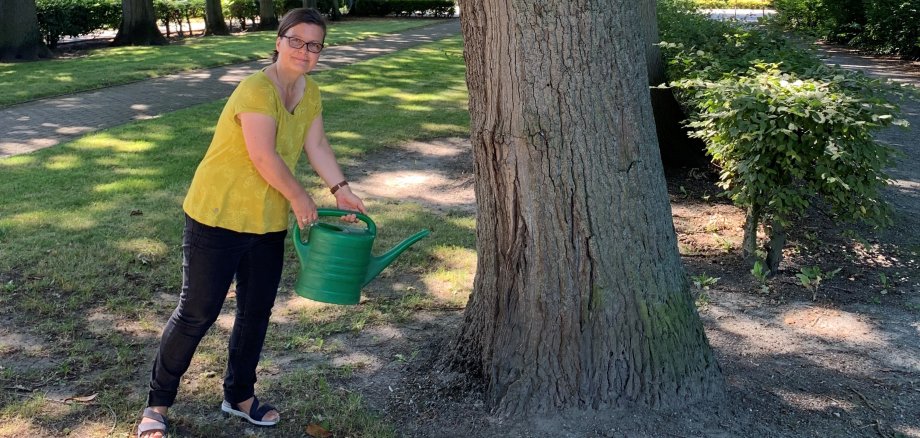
214	18
138	25
20	39
267	18
580	297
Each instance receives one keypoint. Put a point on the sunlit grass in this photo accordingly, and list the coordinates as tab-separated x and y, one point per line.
92	228
20	82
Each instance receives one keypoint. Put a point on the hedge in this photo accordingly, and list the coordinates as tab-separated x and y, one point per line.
885	26
70	18
785	131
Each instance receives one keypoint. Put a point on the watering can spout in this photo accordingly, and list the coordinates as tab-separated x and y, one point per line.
377	264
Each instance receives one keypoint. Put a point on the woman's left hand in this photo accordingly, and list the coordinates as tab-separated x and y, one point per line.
346	200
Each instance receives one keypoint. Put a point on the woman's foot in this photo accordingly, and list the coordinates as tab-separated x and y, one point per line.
153	423
252	411
271	415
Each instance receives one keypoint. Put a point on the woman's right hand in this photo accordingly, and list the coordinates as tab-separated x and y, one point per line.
304	210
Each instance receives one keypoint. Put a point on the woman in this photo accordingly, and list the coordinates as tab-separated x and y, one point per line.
237	217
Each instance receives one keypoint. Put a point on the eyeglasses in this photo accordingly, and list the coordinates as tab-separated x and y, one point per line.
297	43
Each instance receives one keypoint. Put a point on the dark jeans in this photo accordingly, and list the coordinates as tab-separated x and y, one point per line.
211	258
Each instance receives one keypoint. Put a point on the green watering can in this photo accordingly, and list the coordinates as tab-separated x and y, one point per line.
336	262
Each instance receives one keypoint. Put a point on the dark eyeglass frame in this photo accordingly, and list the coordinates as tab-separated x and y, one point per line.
297	43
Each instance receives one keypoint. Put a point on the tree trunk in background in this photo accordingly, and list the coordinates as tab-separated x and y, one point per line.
267	18
654	63
309	4
138	25
214	18
580	297
20	39
677	148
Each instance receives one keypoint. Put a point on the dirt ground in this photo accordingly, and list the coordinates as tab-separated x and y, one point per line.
843	360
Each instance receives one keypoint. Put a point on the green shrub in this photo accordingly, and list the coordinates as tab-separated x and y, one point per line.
784	129
241	10
70	18
892	26
886	26
169	12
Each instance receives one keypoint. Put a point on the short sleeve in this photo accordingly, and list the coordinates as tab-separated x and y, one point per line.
316	101
254	96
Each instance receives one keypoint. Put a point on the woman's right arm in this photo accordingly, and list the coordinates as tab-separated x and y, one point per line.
259	134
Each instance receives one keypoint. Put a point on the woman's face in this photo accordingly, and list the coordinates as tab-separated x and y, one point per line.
301	59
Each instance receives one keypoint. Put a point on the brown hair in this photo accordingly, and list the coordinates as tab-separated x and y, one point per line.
297	16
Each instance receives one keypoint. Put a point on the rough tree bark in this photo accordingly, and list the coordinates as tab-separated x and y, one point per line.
214	18
267	18
580	297
20	39
138	25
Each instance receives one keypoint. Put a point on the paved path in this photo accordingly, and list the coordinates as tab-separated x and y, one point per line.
904	193
43	123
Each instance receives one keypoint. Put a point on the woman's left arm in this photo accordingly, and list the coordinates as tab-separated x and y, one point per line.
321	157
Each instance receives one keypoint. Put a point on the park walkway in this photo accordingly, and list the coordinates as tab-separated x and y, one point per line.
904	192
46	122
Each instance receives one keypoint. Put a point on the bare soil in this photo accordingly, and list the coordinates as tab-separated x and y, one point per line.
841	360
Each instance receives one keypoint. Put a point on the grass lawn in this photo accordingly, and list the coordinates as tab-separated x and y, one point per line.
90	256
21	82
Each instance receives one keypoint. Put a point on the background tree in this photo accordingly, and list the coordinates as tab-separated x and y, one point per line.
214	18
580	297
267	18
20	38
649	25
138	25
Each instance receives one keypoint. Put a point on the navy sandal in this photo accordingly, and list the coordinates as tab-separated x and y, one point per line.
161	424
258	412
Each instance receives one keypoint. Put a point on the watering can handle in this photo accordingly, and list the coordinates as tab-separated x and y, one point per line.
371	226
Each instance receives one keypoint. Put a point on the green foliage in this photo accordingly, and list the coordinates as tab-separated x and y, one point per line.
403	8
811	278
761	274
779	139
68	18
176	12
782	127
704	281
887	26
241	10
892	26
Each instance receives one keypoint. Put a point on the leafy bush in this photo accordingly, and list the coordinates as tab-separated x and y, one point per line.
176	11
70	18
888	26
784	129
892	26
241	10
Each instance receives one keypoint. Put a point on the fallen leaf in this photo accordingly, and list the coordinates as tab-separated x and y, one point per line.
83	399
317	431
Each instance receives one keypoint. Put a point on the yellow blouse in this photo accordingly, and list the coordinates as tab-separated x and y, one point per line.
227	190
